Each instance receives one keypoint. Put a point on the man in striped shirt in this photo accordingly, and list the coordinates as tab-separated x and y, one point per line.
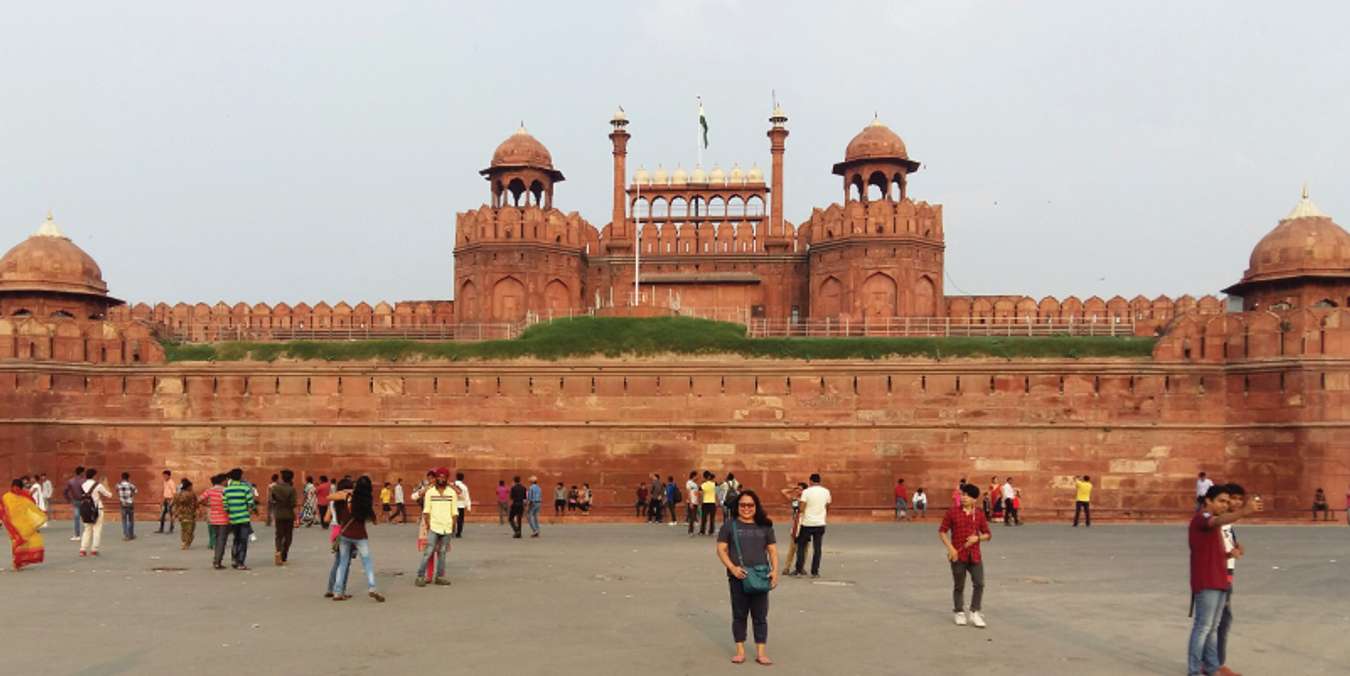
239	503
217	520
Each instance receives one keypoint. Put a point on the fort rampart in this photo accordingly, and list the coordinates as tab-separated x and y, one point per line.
1256	397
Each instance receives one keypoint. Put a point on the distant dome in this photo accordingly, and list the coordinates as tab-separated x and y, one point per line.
717	176
699	175
660	177
875	141
522	150
737	177
755	176
679	177
49	261
1305	242
642	177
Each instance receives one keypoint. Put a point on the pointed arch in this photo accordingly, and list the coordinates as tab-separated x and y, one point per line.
830	301
879	296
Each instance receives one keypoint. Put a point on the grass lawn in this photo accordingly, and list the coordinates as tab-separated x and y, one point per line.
644	337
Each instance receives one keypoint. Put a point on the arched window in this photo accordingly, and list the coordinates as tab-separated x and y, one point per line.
62	314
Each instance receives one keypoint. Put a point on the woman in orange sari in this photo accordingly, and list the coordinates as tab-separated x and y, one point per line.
22	519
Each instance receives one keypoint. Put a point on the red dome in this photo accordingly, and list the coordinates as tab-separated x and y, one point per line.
49	261
522	150
875	141
1306	242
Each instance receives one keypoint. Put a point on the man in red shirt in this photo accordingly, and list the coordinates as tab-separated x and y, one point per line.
901	500
968	528
217	520
1210	584
324	490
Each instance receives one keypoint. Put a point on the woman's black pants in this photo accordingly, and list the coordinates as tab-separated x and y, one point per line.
756	606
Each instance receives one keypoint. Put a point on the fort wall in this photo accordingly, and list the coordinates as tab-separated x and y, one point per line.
1268	409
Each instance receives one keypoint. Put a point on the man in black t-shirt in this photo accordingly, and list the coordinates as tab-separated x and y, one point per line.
517	505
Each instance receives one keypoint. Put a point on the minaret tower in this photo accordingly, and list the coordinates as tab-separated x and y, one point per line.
778	133
620	239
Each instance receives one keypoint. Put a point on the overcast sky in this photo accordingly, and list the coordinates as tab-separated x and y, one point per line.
293	151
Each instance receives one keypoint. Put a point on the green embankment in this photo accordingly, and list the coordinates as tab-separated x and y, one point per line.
620	336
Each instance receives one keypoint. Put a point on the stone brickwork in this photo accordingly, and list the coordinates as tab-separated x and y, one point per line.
1142	428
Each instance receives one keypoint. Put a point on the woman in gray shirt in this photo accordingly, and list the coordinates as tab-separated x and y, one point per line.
754	530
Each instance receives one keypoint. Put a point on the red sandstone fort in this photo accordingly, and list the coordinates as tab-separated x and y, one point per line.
1259	395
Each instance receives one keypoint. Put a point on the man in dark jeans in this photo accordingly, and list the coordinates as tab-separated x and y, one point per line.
814	502
962	530
1083	500
167	490
281	506
517	505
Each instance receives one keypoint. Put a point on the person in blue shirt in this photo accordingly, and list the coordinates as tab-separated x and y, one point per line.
535	498
672	497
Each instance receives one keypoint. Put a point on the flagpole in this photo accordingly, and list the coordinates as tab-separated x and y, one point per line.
637	246
698	134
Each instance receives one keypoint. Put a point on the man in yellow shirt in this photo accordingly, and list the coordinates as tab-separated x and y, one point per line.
439	509
709	491
386	497
1083	500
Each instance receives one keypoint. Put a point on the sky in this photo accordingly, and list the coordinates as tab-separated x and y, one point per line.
307	151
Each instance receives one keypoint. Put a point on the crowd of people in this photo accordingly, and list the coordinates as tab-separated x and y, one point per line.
746	544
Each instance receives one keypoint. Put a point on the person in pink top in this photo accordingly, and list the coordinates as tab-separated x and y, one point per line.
503	501
168	488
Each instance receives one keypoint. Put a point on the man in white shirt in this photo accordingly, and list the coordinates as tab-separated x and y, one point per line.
814	501
1202	486
399	508
93	532
464	504
1010	515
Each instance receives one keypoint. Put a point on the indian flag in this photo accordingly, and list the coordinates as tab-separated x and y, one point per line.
703	122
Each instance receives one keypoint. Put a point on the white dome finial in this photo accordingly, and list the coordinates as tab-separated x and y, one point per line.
49	227
1305	208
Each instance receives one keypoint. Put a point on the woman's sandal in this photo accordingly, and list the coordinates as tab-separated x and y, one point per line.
738	659
341	597
765	661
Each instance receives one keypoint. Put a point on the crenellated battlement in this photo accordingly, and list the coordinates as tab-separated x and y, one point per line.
1256	335
222	321
526	224
79	340
1139	310
883	219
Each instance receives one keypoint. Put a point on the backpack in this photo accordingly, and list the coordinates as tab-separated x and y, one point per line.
88	508
733	494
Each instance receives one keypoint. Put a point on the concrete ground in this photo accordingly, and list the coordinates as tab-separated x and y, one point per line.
637	599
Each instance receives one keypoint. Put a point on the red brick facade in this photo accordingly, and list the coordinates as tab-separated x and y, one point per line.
1261	396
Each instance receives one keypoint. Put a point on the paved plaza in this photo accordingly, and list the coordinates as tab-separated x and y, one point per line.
637	599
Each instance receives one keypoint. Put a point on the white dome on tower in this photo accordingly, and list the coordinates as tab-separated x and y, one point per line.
679	177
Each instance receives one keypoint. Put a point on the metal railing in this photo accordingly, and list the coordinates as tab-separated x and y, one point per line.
927	327
449	332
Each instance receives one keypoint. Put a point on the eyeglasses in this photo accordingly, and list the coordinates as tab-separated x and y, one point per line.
746	505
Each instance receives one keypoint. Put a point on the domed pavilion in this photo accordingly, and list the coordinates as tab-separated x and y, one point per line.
47	275
1303	262
521	172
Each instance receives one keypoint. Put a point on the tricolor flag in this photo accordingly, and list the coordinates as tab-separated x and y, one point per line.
703	122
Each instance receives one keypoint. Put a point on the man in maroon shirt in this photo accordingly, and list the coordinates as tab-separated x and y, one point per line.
901	500
1209	578
968	528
